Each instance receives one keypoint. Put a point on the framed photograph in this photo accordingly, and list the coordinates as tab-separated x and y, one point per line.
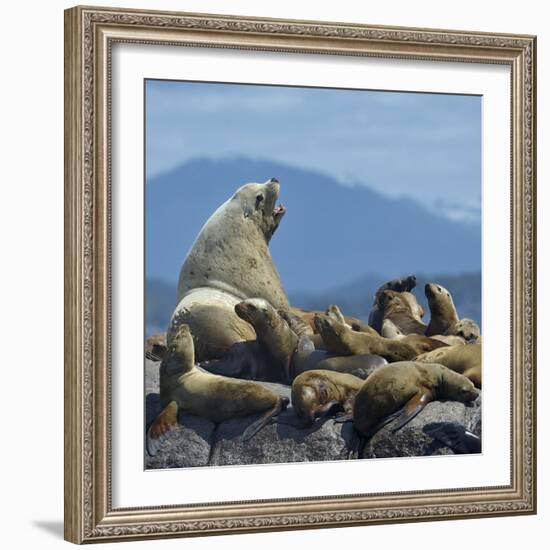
293	251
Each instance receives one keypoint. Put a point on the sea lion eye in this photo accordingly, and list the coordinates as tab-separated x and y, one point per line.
259	199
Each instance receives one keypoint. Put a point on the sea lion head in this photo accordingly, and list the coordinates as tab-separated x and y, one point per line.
256	311
439	299
258	204
325	325
311	400
467	329
180	344
456	387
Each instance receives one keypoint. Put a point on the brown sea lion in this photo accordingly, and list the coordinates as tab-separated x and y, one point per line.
404	284
229	262
443	314
184	387
318	392
421	343
402	390
466	329
342	341
403	310
465	360
309	317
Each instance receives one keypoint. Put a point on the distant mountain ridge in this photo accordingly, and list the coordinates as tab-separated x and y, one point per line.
353	298
331	234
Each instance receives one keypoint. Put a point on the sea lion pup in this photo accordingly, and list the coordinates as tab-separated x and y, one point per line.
317	393
403	309
404	284
443	314
155	346
340	340
401	390
465	360
229	262
455	436
184	387
466	329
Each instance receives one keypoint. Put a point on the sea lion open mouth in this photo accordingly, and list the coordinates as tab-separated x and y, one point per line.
279	210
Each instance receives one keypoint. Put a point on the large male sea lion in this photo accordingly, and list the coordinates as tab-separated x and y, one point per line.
229	262
465	359
184	387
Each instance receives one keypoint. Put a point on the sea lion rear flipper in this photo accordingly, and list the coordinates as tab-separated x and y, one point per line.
265	419
160	427
412	408
356	445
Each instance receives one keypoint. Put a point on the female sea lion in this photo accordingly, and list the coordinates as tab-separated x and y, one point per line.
184	387
405	284
229	262
343	341
465	360
443	314
318	392
403	309
402	390
466	329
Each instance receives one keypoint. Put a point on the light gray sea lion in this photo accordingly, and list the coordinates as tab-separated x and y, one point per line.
184	387
229	262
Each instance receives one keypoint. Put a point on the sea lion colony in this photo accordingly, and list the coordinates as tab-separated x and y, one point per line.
234	319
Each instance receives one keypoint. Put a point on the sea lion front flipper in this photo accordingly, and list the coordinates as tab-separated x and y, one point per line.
265	419
412	408
160	427
333	311
455	436
344	418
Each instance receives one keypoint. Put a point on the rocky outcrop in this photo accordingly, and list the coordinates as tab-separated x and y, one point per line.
198	442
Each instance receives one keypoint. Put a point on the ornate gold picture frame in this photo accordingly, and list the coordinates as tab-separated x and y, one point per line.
90	34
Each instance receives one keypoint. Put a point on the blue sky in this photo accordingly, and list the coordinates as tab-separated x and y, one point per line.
423	146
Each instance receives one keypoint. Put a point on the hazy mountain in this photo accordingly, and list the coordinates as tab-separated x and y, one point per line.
331	235
354	298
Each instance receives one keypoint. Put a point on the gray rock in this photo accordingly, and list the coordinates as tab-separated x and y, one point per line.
198	442
281	442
